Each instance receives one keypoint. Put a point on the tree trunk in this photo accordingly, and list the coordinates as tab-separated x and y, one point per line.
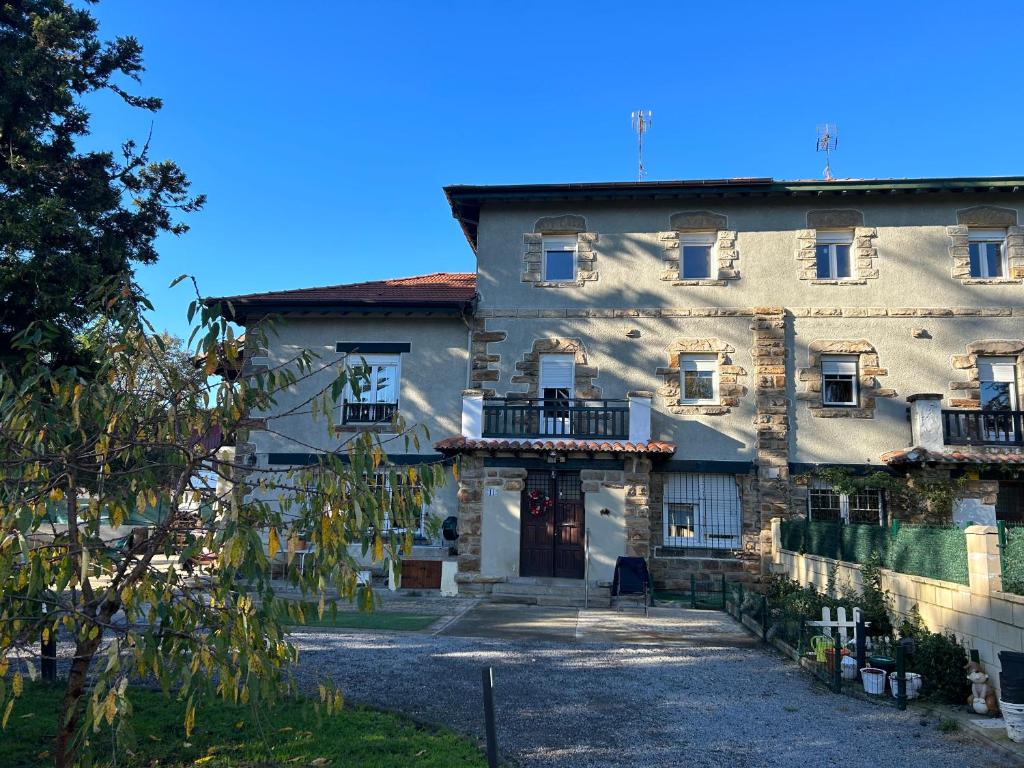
70	712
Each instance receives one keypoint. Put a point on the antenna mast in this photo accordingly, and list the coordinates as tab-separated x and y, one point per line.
642	122
828	140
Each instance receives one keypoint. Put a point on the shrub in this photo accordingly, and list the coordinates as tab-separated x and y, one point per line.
939	659
875	601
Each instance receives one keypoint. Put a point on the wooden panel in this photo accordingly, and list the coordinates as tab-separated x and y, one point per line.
421	574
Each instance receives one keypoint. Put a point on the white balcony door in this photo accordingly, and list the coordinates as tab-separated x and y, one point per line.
557	380
998	383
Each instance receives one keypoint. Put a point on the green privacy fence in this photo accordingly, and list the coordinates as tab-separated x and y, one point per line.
920	550
1011	549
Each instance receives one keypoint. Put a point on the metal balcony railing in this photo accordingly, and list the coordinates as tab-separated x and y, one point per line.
570	418
963	427
368	413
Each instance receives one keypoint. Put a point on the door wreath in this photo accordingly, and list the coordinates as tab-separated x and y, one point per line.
540	503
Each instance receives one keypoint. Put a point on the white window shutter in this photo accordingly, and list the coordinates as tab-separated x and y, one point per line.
556	372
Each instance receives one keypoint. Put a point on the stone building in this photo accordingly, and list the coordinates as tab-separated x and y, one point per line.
656	368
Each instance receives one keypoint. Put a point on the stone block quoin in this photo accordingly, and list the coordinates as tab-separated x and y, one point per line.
730	390
586	253
967	393
725	254
868	370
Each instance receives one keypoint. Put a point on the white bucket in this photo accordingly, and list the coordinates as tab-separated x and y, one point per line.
913	685
848	667
873	680
1013	715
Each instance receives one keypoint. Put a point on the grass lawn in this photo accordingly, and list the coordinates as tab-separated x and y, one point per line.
227	736
384	620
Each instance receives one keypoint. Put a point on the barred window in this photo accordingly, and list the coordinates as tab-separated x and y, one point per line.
701	510
392	502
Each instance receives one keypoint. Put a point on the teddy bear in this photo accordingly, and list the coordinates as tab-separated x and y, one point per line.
982	698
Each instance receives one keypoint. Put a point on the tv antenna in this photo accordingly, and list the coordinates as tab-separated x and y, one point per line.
642	122
828	140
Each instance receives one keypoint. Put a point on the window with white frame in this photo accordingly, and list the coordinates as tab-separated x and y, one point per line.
839	380
987	252
403	505
698	379
832	251
560	258
696	254
372	395
824	504
701	510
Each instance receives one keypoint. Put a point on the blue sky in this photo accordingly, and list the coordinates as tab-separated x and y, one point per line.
322	132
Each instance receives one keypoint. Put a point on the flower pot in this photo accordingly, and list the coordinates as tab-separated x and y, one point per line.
873	680
1013	716
913	684
848	668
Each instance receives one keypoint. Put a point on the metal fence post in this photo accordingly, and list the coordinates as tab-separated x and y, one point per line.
48	652
723	591
693	590
739	603
837	663
901	677
1001	529
492	739
764	618
860	635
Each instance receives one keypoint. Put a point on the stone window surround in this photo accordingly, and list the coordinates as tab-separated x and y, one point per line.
986	217
529	368
863	253
967	394
868	372
729	388
723	253
533	251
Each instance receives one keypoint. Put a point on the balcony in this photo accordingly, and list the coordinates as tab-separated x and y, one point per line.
368	413
964	427
521	418
574	419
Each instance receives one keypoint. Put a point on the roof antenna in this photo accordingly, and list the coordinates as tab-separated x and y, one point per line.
641	124
828	140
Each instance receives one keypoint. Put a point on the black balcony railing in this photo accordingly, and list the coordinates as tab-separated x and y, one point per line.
982	427
576	419
368	413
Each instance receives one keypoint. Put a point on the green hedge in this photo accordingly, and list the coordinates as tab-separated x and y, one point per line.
920	550
1013	560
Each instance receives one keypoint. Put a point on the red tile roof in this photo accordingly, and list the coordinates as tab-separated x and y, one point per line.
436	288
955	455
466	445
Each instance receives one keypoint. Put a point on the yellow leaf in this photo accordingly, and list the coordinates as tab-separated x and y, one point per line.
378	547
273	543
190	719
110	708
46	634
7	713
17	684
203	759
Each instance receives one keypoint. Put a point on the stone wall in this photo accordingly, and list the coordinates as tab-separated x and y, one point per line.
863	257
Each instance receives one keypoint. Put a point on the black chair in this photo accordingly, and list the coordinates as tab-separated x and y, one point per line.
632	579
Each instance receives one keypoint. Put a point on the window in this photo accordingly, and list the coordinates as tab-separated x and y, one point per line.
833	254
404	506
560	259
987	252
701	510
372	395
695	258
825	505
839	381
557	375
998	380
699	375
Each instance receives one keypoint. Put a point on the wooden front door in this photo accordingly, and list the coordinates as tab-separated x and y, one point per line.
552	526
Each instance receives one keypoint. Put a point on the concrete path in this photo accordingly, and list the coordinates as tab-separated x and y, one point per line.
596	688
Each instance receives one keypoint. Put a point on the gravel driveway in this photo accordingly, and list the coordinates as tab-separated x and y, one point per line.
583	702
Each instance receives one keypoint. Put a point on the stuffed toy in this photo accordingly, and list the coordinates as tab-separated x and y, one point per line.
982	698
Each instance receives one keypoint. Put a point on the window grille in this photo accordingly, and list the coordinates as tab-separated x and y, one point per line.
702	511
